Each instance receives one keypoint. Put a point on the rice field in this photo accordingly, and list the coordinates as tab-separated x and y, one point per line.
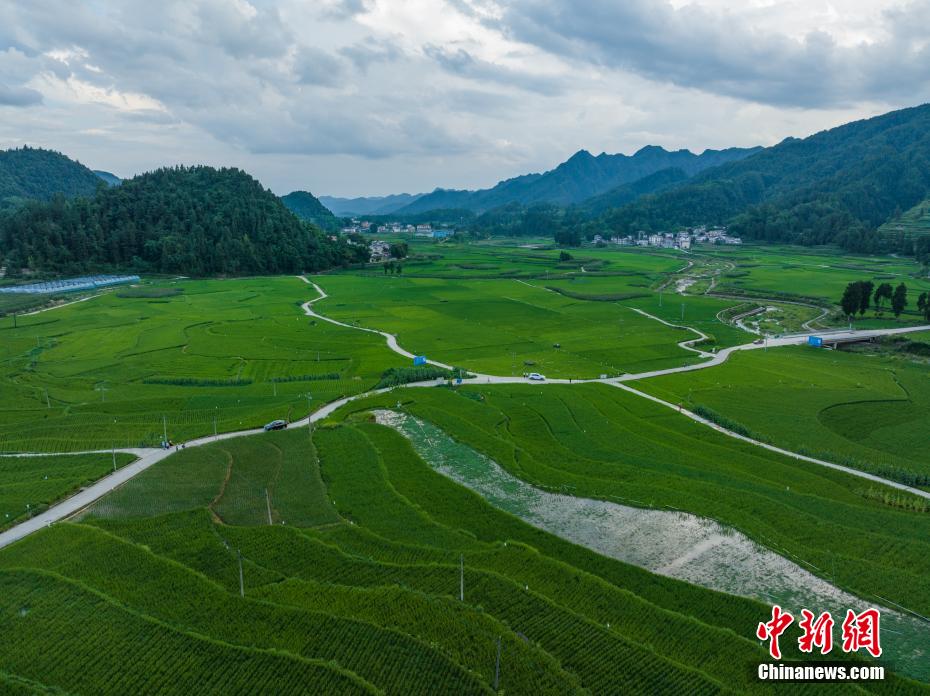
867	410
603	443
401	581
28	485
125	369
512	541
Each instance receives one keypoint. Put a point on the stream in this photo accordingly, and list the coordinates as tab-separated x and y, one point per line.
672	543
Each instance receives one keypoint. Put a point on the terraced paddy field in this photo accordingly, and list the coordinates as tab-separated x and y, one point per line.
599	442
28	485
178	358
596	541
670	542
867	410
509	327
815	274
376	574
513	259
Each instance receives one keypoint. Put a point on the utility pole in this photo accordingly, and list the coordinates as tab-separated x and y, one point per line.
268	503
497	665
275	387
47	402
164	423
214	421
114	459
241	581
660	298
462	578
682	311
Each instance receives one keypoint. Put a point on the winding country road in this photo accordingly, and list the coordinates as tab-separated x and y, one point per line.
148	457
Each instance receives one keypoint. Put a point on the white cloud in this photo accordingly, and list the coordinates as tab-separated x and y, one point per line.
372	96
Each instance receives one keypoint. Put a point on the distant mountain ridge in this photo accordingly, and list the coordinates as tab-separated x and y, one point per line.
30	173
370	205
836	186
579	178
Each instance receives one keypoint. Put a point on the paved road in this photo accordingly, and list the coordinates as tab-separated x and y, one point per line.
149	457
772	448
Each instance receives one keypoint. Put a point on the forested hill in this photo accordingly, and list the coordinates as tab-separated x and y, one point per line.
308	207
577	179
34	174
621	195
836	186
110	179
196	221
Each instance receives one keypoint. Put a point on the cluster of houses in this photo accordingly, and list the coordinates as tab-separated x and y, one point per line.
427	230
380	250
679	240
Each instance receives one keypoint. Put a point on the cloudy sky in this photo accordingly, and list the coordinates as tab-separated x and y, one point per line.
368	97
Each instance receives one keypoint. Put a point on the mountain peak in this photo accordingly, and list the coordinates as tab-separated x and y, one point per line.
650	150
580	156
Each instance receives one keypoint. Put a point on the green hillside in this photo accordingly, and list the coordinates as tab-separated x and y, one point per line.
837	186
34	174
308	207
110	179
621	195
191	220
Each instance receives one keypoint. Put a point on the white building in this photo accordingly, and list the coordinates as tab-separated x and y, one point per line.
380	251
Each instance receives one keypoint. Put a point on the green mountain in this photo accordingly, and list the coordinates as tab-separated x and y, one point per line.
621	195
110	179
191	220
29	173
372	205
837	186
308	207
577	179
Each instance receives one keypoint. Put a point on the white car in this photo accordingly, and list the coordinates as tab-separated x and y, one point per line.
536	377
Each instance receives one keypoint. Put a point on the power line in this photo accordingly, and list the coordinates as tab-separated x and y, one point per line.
497	665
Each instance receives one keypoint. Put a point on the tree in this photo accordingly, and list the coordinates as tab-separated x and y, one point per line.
398	250
865	295
882	293
565	256
850	300
922	251
568	237
899	300
923	305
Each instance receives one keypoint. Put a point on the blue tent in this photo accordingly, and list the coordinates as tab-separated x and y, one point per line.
419	360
